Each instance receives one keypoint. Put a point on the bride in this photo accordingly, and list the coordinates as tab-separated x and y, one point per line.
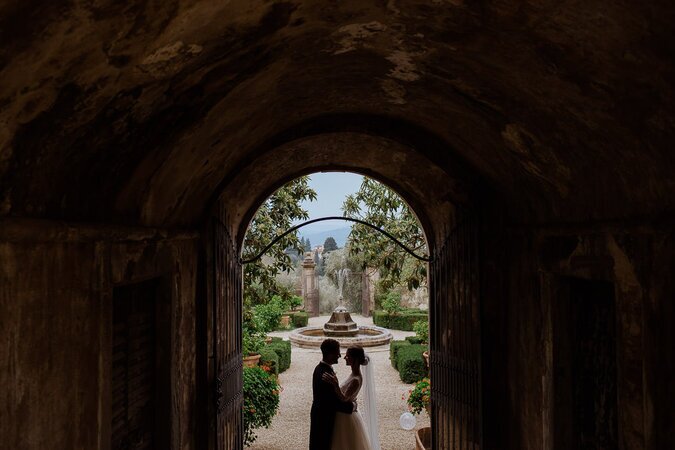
356	431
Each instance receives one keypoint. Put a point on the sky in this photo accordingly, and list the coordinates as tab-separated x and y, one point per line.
331	189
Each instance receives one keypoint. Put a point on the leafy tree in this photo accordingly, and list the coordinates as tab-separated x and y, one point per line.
329	244
375	203
274	216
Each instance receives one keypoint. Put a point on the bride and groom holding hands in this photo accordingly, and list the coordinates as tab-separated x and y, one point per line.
336	421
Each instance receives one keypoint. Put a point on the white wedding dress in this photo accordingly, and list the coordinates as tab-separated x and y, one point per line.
350	432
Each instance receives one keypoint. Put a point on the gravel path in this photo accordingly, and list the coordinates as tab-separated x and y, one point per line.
290	428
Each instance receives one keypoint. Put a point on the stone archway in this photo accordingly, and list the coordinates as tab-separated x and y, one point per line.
452	234
125	128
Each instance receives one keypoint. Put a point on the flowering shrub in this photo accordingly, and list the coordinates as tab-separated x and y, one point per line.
261	401
419	397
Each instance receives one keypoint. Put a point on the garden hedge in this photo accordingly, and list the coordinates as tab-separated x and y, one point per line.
403	320
394	347
268	357
414	339
300	319
410	363
283	350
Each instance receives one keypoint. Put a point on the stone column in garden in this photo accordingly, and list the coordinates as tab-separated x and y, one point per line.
310	289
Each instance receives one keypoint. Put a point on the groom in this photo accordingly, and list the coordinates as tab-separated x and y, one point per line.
326	402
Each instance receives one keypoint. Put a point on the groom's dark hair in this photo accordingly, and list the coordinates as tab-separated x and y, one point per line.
329	345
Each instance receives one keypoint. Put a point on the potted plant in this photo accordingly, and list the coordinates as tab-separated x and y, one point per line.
261	401
418	400
252	342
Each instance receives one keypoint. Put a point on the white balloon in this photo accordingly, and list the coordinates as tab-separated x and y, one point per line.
407	421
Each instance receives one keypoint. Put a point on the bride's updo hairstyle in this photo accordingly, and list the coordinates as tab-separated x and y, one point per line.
357	354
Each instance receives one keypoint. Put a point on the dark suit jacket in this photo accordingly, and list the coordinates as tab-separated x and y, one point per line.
324	406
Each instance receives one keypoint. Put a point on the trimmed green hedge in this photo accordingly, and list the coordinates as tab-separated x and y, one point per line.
299	319
414	340
283	351
402	321
269	357
394	347
410	363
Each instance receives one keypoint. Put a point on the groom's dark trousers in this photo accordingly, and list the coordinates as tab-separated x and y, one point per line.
324	406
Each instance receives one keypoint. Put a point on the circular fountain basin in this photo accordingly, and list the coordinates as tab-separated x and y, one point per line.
367	336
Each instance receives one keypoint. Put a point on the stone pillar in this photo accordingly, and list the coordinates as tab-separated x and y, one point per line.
365	294
310	289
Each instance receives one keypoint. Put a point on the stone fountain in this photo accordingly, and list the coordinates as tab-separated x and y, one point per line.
341	327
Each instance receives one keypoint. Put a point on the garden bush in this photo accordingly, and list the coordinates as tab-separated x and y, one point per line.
268	315
414	340
269	358
261	401
283	350
403	320
421	329
392	302
394	347
410	363
300	319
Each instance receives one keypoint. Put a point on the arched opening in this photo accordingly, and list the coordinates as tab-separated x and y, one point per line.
452	242
342	288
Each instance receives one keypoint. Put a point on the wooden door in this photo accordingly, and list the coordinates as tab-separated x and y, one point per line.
224	309
455	341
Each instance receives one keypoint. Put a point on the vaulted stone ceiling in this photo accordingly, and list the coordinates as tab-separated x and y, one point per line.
139	111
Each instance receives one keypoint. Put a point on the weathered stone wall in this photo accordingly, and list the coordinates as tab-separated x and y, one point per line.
55	302
521	285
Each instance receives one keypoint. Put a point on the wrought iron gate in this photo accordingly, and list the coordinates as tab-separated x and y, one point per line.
225	354
455	341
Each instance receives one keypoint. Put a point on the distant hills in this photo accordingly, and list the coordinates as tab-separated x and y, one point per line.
318	237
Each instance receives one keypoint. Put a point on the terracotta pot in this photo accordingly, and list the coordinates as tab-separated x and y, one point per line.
423	439
285	321
251	360
426	358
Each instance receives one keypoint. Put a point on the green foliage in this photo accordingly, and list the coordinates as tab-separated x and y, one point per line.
261	401
329	244
295	302
421	329
300	319
404	320
305	244
252	342
420	396
392	302
410	363
394	347
283	351
377	204
414	339
268	315
269	360
274	216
